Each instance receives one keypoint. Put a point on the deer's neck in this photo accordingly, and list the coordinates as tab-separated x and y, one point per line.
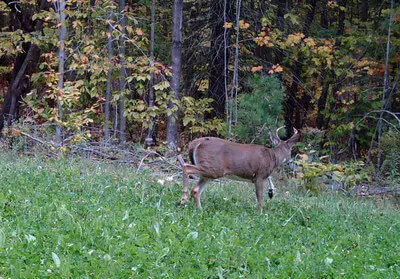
278	153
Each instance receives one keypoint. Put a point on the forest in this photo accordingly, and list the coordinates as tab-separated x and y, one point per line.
84	74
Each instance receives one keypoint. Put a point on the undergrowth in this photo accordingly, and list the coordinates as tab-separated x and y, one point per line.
70	218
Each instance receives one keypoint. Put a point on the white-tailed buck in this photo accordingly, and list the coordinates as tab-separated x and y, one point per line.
213	158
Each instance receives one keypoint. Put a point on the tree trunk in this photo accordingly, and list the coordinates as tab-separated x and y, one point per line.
364	10
310	16
176	57
341	18
280	15
107	105
219	54
226	63
235	88
321	105
280	18
24	65
291	100
324	14
386	86
296	107
122	76
151	134
305	100
62	35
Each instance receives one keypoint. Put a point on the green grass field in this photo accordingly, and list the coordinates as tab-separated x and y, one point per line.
78	219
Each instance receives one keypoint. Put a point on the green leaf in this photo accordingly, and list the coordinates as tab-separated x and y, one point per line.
162	85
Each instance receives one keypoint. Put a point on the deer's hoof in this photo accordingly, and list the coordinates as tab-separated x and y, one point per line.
270	193
180	204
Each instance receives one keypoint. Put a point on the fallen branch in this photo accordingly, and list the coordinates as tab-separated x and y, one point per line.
159	155
39	140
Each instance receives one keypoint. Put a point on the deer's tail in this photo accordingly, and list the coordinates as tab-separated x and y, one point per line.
193	154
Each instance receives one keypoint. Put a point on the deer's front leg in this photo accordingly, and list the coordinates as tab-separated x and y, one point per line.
185	195
271	189
198	189
260	192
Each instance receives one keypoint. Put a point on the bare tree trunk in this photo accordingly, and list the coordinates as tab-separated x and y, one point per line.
16	84
310	16
321	105
324	14
122	75
280	14
220	12
62	35
225	73
176	57
342	17
386	85
234	93
364	10
296	106
151	137
107	105
305	98
116	119
24	66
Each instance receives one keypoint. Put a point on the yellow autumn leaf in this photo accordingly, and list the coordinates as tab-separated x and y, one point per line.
259	41
309	42
294	38
275	69
228	25
256	69
139	32
243	24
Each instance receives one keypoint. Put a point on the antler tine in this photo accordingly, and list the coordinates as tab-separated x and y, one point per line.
277	130
295	131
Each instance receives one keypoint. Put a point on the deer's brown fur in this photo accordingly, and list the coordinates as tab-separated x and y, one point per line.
213	158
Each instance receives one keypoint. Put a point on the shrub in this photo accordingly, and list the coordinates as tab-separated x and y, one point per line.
391	151
259	110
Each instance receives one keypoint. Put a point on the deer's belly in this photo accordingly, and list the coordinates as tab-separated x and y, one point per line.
238	178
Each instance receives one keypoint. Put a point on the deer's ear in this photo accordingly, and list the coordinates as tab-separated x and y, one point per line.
292	141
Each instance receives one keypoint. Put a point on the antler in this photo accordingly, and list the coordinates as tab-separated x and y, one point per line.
276	139
276	132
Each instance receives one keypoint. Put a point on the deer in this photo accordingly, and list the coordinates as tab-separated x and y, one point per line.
213	158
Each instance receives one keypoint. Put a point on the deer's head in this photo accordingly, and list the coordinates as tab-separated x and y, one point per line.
284	147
